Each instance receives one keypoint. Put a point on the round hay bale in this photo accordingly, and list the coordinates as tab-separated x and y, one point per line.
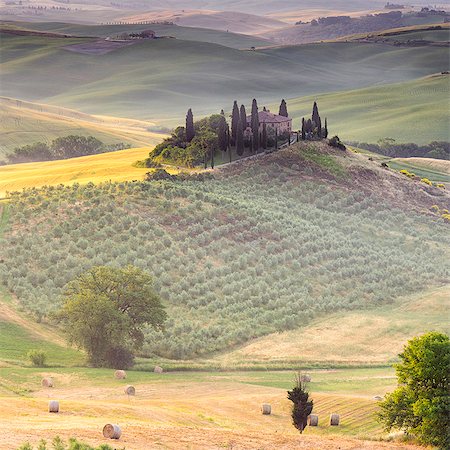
313	420
306	378
130	390
158	369
47	382
53	406
120	374
334	420
112	431
266	409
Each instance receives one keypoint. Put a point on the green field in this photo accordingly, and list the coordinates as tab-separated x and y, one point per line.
201	75
439	173
414	111
422	35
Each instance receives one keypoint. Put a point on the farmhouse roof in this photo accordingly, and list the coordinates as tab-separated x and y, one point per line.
268	117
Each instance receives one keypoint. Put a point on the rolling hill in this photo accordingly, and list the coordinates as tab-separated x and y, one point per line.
186	73
413	111
331	232
25	123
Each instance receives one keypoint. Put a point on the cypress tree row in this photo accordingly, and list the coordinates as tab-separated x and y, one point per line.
235	117
283	109
239	138
190	130
264	137
255	126
243	115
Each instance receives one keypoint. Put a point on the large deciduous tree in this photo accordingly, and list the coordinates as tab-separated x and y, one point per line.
190	130
105	310
223	135
421	403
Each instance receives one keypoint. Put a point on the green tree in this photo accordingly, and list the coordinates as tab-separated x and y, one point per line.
325	129
105	310
283	109
190	130
264	137
240	139
421	403
302	406
255	126
317	120
235	117
223	135
303	129
243	116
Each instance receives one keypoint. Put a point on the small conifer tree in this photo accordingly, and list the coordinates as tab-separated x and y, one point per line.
283	109
190	130
302	406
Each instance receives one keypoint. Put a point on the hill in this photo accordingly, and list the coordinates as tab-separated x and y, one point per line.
25	123
331	232
186	73
396	110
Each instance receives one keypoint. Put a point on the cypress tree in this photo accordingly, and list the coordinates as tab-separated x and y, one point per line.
283	109
264	137
276	138
316	119
223	135
235	116
239	139
190	130
243	115
303	129
255	126
325	131
309	127
222	112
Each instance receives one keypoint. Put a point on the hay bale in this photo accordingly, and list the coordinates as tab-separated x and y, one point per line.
47	382
334	420
158	369
313	420
306	378
112	431
130	390
53	406
266	409
120	374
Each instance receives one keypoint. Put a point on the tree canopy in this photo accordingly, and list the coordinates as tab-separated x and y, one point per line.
105	311
421	403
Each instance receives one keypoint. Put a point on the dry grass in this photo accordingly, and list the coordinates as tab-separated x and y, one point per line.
115	166
360	337
184	415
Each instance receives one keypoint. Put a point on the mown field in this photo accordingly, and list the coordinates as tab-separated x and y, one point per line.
202	75
245	259
413	111
26	123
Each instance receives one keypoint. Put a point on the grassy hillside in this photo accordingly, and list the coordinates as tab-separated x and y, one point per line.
205	76
246	258
25	123
433	169
414	111
116	166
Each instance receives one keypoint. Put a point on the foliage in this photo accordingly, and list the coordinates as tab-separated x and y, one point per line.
62	148
389	147
336	142
426	181
38	358
421	403
105	311
283	109
236	257
302	407
58	444
407	173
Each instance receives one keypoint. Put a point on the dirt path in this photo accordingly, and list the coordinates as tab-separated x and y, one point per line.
9	314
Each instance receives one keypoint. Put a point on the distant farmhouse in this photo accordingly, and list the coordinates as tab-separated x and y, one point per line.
274	122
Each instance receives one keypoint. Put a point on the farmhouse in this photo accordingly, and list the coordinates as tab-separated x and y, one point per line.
273	122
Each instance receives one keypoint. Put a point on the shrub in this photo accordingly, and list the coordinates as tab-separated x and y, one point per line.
426	181
336	142
407	173
38	358
440	185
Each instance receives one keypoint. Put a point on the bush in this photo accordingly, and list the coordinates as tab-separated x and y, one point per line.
38	358
58	444
426	181
336	142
